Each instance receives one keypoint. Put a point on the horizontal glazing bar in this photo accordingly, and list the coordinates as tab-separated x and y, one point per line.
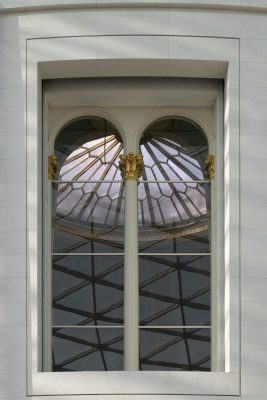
86	326
86	181
176	181
173	254
140	327
87	254
175	327
122	254
140	181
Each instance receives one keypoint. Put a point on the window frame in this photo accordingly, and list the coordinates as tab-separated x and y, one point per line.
43	383
214	144
48	146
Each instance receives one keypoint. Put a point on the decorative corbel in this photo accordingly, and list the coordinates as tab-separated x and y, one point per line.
52	167
209	167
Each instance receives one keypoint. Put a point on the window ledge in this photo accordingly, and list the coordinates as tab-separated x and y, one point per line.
142	382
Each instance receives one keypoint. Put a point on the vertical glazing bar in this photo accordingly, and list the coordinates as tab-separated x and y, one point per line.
131	166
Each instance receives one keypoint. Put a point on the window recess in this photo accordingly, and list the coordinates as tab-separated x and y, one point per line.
130	256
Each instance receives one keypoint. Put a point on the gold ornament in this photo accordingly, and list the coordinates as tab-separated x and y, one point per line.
131	166
209	167
52	167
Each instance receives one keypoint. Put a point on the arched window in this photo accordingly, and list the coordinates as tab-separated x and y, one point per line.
173	250
174	246
87	248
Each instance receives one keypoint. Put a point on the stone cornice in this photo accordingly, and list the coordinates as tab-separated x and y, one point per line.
20	6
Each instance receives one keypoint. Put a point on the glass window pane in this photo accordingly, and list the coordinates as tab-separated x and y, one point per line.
88	290
173	149
174	217
174	290
175	349
88	217
88	149
88	349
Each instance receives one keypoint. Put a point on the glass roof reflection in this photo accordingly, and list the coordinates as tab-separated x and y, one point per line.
173	214
166	161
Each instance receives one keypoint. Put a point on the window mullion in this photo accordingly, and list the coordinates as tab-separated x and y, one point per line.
131	279
131	166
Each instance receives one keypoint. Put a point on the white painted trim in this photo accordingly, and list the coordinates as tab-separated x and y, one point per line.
46	360
40	54
217	243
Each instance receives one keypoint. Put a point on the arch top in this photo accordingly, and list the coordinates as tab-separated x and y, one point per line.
195	118
174	149
70	117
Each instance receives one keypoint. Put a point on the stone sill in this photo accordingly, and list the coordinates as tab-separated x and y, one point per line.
137	383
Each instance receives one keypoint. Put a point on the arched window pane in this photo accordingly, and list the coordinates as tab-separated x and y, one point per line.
174	246
89	194
87	248
174	207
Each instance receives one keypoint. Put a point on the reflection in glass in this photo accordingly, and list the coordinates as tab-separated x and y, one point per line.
88	290
88	214
175	349
94	160
174	290
88	149
89	217
173	206
173	149
87	349
174	217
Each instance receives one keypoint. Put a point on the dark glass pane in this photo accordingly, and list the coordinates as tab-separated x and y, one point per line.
175	349
88	349
88	290
174	290
174	217
89	217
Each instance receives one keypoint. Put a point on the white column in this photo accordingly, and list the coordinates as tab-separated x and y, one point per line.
131	166
131	280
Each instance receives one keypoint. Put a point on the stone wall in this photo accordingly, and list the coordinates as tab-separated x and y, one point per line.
243	20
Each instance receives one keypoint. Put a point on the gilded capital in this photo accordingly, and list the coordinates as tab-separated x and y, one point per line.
131	166
209	167
52	167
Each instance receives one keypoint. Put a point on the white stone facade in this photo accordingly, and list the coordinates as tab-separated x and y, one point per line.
223	39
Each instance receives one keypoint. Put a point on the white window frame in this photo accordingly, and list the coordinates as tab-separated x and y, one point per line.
132	121
45	65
